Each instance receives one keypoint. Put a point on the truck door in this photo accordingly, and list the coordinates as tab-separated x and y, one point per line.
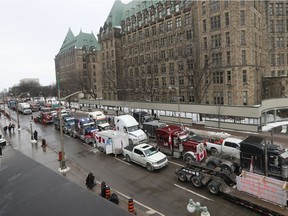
139	156
232	149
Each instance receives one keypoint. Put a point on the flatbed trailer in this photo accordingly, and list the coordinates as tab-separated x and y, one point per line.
224	183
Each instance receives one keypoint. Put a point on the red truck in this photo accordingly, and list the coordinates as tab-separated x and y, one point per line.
174	140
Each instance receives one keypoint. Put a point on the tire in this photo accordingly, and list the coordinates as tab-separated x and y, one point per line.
213	163
188	159
213	151
213	187
130	142
86	141
182	177
149	167
128	159
73	135
196	181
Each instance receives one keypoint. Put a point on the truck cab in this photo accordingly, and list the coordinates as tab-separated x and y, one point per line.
175	141
128	124
100	120
85	129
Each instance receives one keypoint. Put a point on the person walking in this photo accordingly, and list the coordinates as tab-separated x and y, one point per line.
35	135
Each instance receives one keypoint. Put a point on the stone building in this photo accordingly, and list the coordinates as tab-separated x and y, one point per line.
212	52
202	52
77	65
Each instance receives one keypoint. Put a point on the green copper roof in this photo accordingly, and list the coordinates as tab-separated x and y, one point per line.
77	42
119	10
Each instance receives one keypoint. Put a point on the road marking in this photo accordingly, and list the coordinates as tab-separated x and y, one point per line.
122	161
183	188
177	164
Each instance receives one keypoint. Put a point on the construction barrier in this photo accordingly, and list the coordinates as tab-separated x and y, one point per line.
131	205
107	192
103	189
60	156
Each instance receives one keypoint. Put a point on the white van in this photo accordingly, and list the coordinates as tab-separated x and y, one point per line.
129	125
24	108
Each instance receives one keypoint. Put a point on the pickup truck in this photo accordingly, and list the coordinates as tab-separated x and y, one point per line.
229	146
145	155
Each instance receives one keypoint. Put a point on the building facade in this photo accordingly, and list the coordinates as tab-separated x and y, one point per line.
77	65
199	52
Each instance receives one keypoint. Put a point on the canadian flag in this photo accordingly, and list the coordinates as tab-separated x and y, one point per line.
96	136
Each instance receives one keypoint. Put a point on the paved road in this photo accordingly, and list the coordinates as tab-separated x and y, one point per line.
158	193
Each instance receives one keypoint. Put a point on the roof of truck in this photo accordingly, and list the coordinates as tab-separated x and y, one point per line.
112	133
128	119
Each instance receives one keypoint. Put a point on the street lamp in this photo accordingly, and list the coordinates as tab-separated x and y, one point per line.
63	168
17	110
197	208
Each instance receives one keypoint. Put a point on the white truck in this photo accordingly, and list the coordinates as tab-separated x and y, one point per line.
24	108
229	146
100	120
129	125
111	142
145	155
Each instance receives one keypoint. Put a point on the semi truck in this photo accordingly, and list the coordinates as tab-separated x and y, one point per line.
100	120
150	128
111	142
24	108
145	155
128	124
174	140
84	128
260	184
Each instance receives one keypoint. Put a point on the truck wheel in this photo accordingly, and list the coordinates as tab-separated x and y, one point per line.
74	135
188	159
196	181
149	167
182	177
213	151
213	187
87	141
130	142
128	159
213	163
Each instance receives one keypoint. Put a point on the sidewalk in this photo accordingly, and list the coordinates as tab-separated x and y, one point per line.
21	141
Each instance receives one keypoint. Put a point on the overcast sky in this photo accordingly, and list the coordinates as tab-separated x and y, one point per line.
32	32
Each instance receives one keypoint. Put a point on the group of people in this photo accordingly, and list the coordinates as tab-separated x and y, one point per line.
10	127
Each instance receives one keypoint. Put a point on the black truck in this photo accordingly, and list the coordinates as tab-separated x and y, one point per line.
150	128
260	184
142	117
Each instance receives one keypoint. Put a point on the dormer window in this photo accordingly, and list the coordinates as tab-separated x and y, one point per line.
177	7
153	18
168	11
144	4
160	14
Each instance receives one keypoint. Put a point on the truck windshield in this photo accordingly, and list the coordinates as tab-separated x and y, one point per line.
88	125
101	121
150	151
183	138
133	128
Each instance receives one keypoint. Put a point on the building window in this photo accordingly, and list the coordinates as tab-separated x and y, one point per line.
164	82
242	37
146	33
218	98
227	39
218	77
204	26
171	67
280	42
171	53
217	59
271	9
161	27
228	58
279	25
244	76
272	59
153	30
187	19
245	97
214	5
181	80
243	56
215	22
242	2
172	80
169	25
205	43
189	34
168	11
280	59
227	22
242	17
178	22
279	9
203	7
228	77
229	97
160	14
177	7
163	68
216	40
271	26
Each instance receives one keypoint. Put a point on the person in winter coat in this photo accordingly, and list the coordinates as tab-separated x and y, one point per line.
90	181
35	135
